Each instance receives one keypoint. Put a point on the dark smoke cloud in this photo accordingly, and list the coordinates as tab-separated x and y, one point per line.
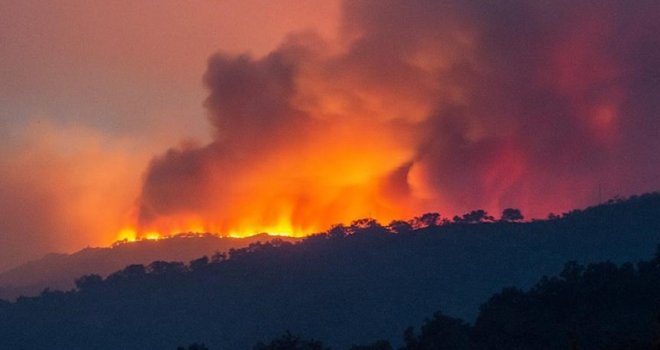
250	108
535	104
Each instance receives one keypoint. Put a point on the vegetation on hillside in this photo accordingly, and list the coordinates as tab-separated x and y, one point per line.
359	283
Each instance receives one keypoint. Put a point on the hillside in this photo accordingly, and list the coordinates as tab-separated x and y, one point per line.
351	285
58	271
597	306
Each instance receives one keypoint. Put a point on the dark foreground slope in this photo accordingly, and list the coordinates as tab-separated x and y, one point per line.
597	306
344	289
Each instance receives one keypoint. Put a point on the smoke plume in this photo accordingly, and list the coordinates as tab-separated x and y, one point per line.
418	106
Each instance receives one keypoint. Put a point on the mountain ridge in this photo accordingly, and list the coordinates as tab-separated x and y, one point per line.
351	284
57	271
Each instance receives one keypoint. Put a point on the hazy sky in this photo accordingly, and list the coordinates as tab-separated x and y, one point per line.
289	116
91	90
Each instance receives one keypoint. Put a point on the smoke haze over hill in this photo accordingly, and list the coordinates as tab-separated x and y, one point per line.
383	109
420	106
357	284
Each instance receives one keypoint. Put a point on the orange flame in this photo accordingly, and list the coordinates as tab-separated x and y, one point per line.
332	183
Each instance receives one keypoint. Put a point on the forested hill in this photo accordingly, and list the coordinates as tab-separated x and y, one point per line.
58	271
595	306
350	285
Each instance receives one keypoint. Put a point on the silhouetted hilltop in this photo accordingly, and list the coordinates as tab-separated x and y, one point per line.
353	284
58	271
597	306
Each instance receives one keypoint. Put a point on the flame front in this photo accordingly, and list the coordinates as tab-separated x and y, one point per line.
388	122
292	193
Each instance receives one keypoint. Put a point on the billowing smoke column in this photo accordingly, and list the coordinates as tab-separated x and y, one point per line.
423	105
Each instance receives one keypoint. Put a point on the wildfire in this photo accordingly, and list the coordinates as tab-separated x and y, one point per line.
127	235
314	134
131	235
292	191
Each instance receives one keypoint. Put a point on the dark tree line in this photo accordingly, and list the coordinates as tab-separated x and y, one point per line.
598	306
358	283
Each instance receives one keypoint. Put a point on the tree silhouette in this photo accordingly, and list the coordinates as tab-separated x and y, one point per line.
199	264
364	223
338	232
218	257
440	332
400	226
426	220
337	288
430	219
166	267
511	215
474	217
289	341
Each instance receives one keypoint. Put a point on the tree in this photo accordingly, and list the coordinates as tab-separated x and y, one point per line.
426	220
199	264
134	271
553	216
364	223
511	215
338	231
440	332
165	267
218	257
400	226
475	217
289	341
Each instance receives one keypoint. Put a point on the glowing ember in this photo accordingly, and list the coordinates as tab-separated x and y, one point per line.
127	234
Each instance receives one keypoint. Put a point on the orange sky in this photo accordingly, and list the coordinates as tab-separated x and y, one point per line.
91	90
289	116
